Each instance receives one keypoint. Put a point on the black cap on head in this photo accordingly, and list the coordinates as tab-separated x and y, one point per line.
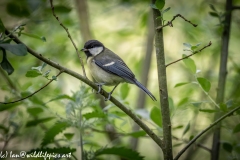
93	43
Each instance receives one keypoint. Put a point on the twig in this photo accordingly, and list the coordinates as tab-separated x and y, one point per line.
197	144
204	131
7	142
33	92
209	44
69	36
169	23
8	80
95	87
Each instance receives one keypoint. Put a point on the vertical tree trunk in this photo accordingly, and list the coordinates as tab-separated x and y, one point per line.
82	10
144	75
222	77
162	81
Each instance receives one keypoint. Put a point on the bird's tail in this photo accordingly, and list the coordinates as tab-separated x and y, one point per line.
145	90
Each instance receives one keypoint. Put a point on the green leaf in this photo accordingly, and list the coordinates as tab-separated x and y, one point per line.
208	110
178	127
38	68
54	78
153	6
223	107
227	146
198	44
38	121
156	116
191	137
125	153
183	101
43	65
63	96
236	128
33	73
18	9
212	7
46	74
190	64
205	84
193	48
53	131
196	104
5	129
188	45
165	10
160	4
94	115
4	107
5	64
214	14
229	103
177	144
17	49
2	28
181	84
34	36
34	111
186	129
62	9
137	134
124	90
69	136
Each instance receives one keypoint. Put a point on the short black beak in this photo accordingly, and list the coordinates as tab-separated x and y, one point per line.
83	50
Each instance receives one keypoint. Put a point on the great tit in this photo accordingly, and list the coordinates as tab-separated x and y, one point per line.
109	69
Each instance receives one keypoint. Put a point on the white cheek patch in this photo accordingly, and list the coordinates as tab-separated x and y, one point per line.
96	50
109	64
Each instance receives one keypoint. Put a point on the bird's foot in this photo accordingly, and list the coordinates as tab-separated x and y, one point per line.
99	89
109	96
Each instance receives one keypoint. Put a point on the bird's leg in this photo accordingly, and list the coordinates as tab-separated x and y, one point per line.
99	87
110	93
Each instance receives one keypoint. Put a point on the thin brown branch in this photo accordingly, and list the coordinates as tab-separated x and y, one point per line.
69	36
95	87
209	44
197	144
204	131
33	92
6	142
169	23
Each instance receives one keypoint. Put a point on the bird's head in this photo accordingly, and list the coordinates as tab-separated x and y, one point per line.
92	48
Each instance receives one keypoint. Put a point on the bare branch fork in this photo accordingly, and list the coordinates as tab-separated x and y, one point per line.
50	81
69	36
204	131
169	23
209	44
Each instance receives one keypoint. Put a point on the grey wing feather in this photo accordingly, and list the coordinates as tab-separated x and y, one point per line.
118	67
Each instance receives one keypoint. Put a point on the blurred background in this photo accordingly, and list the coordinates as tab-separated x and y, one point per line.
125	27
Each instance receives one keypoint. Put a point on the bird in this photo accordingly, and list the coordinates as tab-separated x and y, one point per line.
107	68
